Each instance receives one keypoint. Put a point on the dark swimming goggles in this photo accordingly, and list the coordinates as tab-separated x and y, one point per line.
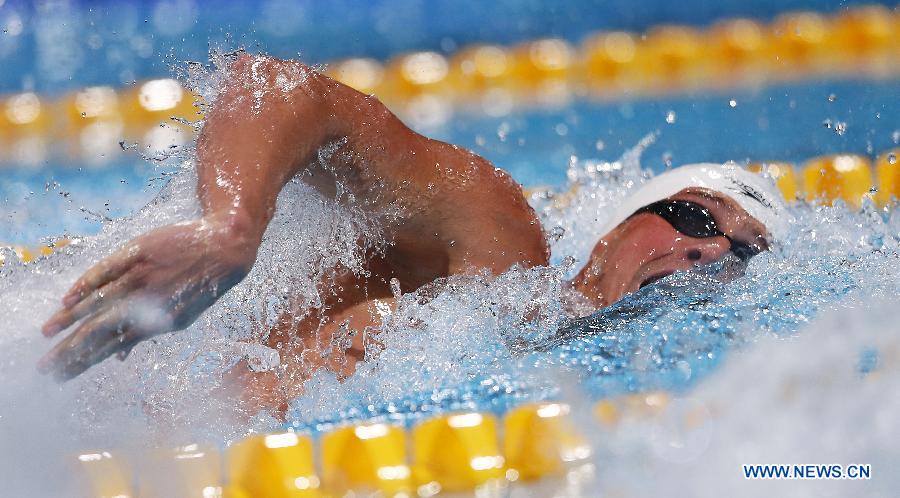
694	220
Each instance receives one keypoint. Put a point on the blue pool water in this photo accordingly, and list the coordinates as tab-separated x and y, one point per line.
686	324
670	335
58	45
777	123
825	297
764	351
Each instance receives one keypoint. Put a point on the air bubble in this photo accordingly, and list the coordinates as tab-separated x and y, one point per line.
670	117
667	159
556	233
395	288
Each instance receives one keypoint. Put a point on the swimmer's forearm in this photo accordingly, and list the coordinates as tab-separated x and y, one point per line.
267	124
270	123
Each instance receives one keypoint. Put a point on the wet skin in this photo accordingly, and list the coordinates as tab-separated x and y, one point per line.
458	214
645	248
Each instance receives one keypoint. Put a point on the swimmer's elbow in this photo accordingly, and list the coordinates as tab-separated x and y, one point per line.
273	84
238	230
261	65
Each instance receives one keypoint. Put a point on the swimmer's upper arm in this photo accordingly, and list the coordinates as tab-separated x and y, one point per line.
462	195
382	145
269	122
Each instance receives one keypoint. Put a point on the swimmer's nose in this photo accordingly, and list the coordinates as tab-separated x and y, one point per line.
704	251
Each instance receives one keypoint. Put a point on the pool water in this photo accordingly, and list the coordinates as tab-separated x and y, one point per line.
535	146
466	350
793	358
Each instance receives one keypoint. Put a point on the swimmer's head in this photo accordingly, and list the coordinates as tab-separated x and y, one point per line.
692	215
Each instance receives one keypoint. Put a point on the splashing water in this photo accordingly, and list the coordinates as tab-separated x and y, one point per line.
477	342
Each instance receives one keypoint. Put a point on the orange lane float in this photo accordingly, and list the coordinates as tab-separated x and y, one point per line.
105	475
540	440
784	175
738	53
277	465
841	176
857	41
865	38
607	59
457	452
670	58
798	43
887	171
366	458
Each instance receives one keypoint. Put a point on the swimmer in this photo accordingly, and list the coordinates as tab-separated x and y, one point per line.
456	214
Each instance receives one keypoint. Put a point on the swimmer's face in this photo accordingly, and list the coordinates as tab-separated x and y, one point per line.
645	247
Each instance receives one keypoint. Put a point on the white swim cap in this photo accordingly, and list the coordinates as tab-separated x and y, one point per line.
753	192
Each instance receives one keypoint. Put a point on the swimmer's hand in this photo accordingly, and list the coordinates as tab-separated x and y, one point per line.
159	282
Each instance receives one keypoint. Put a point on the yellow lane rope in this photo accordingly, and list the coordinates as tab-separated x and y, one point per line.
465	451
860	41
457	452
452	453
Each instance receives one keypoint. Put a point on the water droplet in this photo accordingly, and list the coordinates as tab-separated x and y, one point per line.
556	233
670	117
395	288
667	159
732	103
503	131
827	123
832	97
840	127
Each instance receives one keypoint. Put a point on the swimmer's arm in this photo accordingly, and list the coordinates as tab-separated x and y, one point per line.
265	129
262	131
270	123
256	137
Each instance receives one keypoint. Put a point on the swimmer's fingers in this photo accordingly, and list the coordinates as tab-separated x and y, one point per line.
93	341
102	273
65	317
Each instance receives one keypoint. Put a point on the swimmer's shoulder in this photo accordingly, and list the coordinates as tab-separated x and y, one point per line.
489	205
